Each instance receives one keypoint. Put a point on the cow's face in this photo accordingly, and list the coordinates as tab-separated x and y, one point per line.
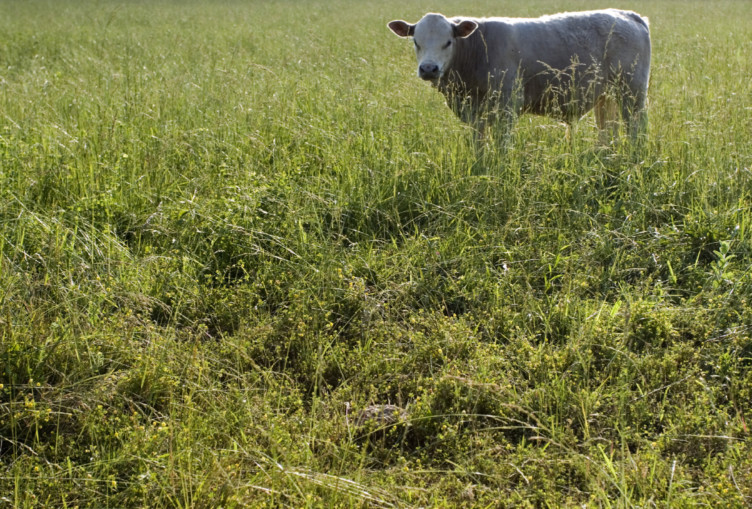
435	39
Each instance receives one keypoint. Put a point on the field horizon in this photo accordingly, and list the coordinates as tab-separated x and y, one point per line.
232	231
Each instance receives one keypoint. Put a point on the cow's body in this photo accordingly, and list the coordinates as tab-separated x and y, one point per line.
562	65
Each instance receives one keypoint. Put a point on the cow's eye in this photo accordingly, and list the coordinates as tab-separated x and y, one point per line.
416	45
448	43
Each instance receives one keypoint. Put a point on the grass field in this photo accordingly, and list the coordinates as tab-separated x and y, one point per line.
227	228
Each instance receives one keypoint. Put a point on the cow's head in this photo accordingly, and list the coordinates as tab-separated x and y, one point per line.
435	39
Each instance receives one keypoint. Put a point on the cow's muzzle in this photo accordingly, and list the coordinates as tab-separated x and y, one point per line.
429	71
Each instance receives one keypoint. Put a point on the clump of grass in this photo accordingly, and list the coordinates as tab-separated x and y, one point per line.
226	233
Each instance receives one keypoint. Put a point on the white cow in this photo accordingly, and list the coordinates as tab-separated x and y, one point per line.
562	65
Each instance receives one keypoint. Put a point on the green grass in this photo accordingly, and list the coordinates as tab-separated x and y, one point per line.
226	228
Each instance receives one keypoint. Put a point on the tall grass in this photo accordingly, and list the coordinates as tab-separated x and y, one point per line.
228	228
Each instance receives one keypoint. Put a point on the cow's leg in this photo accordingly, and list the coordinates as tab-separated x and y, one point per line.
501	119
470	113
490	117
635	114
633	94
607	119
503	107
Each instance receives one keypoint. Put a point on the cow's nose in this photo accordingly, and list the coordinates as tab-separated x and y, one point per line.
428	71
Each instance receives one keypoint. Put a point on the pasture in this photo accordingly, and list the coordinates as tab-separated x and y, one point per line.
229	227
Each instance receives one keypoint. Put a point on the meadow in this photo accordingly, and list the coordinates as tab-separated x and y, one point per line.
229	228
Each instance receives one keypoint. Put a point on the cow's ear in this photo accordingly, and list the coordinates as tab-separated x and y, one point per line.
401	28
465	28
